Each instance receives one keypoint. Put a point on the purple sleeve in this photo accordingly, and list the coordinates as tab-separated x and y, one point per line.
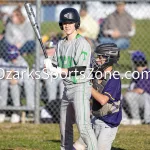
143	83
113	89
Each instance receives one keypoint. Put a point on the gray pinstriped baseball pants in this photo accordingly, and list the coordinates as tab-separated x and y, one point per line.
75	107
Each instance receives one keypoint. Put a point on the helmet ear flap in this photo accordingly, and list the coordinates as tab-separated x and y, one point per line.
61	26
77	25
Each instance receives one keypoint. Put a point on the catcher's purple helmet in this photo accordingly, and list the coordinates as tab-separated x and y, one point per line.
138	56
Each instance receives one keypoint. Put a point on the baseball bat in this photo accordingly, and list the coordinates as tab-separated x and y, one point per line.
35	26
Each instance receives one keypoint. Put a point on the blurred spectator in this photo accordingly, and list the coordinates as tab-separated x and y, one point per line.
3	44
45	38
118	27
5	18
52	84
19	32
126	114
54	87
55	37
18	78
89	28
138	97
3	88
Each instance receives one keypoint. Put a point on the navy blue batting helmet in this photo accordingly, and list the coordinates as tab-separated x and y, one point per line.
69	15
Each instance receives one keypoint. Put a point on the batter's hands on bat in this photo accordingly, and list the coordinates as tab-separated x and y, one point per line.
50	68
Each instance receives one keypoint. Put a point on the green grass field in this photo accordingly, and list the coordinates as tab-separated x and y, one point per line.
47	137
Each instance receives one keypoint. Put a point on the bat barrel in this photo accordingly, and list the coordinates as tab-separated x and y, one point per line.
32	19
30	13
34	24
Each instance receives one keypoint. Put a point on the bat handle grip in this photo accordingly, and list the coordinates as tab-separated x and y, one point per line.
43	48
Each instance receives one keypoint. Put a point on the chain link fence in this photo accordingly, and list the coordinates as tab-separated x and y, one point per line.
38	100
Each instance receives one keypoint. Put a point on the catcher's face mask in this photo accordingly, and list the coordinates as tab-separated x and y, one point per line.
101	59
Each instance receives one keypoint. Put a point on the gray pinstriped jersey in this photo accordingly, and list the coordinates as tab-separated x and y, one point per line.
76	52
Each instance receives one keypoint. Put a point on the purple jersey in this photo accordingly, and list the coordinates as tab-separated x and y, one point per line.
113	90
144	81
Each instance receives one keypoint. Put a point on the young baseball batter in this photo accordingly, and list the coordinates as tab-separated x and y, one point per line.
73	54
106	94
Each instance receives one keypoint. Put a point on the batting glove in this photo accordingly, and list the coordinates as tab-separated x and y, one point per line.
50	67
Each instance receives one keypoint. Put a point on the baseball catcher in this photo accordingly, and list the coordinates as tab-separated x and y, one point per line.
106	93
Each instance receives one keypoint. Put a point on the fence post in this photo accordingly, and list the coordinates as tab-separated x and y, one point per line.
37	66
